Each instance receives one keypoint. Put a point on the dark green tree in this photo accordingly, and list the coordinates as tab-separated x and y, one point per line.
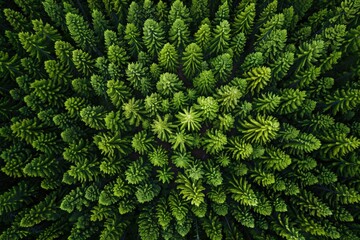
80	32
154	36
192	60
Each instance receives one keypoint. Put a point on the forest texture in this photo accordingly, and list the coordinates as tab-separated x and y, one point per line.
185	119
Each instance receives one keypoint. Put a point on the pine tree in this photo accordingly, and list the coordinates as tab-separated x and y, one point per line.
154	37
199	10
16	197
168	58
141	143
257	78
80	32
273	45
17	20
238	44
228	97
214	141
54	11
241	192
132	35
291	100
203	37
309	53
9	65
189	119
162	127
213	228
343	100
244	20
93	116
34	45
179	34
133	111
205	82
222	66
192	60
191	190
260	130
83	62
117	55
179	11
179	208
221	38
180	140
168	84
137	76
339	144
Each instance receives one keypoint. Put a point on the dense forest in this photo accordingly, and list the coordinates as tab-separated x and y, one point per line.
185	119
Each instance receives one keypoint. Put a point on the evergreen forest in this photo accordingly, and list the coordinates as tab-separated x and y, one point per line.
182	119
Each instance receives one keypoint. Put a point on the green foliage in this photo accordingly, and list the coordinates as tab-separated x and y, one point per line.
148	229
203	37
239	149
118	92
208	107
241	192
168	57
159	157
308	202
276	159
93	116
267	103
260	130
179	11
309	53
111	144
16	197
179	119
83	62
179	34
244	20
132	35
180	140
228	97
189	119
222	66
205	82
80	31
162	127
141	142
338	145
74	200
163	213
192	60
154	36
45	210
147	192
214	141
179	209
133	111
343	100
137	76
136	172
303	143
168	84
212	227
257	78
221	38
191	190
291	100
34	45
